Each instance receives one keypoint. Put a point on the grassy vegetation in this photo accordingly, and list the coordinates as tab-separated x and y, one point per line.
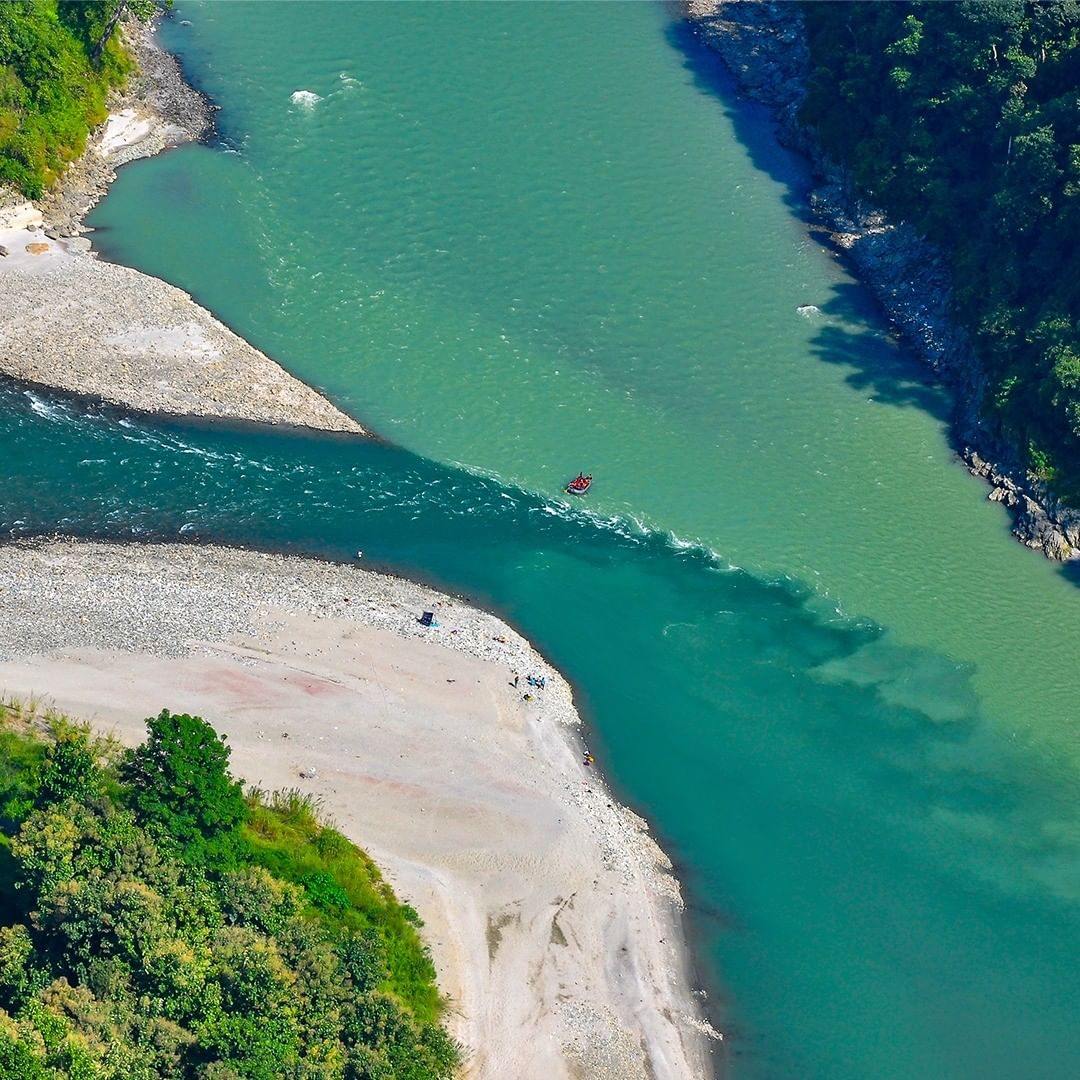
344	890
53	84
964	119
157	924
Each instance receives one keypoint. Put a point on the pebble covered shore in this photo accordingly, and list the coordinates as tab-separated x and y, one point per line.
164	599
88	327
66	598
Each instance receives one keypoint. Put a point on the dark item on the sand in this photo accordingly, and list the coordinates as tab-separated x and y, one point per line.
579	485
427	618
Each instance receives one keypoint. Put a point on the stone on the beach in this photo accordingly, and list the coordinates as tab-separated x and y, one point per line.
111	331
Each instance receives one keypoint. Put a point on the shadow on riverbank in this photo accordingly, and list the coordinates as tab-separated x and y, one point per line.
754	125
878	365
853	332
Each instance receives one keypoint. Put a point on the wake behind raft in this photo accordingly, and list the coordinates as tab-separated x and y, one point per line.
579	485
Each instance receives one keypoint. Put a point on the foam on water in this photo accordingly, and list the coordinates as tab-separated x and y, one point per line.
51	410
305	99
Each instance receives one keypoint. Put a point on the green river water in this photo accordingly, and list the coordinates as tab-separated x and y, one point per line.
519	240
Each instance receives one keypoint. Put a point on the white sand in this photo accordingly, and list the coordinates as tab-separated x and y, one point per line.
20	227
127	128
551	914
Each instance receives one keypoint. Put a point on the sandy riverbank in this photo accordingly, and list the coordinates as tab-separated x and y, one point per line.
90	327
551	913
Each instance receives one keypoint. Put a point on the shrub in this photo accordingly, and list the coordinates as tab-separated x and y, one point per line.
323	891
251	896
364	958
70	770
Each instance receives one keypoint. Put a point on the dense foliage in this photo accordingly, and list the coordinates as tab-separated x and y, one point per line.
58	60
126	953
179	786
964	119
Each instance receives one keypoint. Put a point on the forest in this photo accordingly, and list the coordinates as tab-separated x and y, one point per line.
156	920
963	119
58	61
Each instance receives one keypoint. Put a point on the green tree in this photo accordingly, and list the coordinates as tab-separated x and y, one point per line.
22	1051
963	119
114	10
128	962
51	91
180	786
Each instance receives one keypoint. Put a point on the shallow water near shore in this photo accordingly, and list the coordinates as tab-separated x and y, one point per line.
533	238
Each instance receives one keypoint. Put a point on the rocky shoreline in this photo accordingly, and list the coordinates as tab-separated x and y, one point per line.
88	327
163	110
764	45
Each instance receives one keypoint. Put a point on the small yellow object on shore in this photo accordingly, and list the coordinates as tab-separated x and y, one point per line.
37	248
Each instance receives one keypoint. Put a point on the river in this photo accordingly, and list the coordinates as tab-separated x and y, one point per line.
520	240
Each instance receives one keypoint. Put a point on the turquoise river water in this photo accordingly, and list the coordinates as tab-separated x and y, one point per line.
518	240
